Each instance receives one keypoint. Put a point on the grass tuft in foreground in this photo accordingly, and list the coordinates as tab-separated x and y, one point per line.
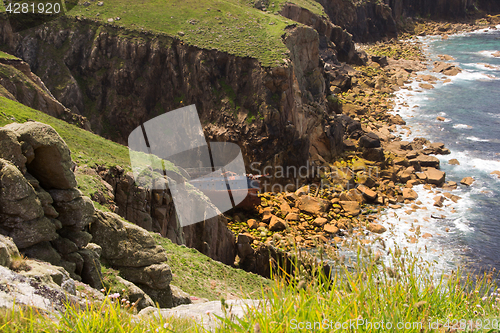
367	296
107	316
370	296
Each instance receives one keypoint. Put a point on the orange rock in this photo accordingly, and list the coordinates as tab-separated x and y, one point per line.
266	214
277	224
350	207
369	194
292	217
467	181
330	228
319	222
376	228
253	224
496	172
313	205
409	194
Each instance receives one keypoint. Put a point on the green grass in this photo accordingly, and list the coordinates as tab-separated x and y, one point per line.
86	148
4	55
200	276
233	26
107	316
223	25
358	297
409	292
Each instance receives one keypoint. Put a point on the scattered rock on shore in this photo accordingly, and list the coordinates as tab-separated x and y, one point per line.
376	228
467	181
445	57
435	176
446	68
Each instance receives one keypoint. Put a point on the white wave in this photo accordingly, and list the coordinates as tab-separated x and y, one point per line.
469	164
462	224
473	138
494	115
487	53
467	75
485	31
462	126
483	66
425	229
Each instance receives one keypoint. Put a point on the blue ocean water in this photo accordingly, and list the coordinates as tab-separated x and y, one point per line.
470	103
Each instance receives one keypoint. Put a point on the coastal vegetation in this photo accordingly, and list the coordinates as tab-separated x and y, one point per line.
361	295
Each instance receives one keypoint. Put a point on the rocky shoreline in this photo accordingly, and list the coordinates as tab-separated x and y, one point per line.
378	170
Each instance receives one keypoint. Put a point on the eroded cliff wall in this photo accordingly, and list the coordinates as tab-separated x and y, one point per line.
372	20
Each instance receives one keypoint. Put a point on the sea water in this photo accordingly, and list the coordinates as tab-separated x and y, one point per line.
466	232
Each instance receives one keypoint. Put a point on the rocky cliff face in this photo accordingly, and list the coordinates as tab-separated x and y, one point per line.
367	21
370	21
155	211
440	9
18	83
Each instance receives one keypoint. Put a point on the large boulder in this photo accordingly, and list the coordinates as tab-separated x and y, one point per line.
409	194
51	164
91	270
313	205
156	276
136	294
350	207
21	212
369	140
434	176
28	233
43	287
426	161
79	212
123	243
133	251
374	154
17	197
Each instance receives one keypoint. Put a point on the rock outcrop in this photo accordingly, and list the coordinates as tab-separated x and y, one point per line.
23	86
40	207
367	21
49	219
133	251
336	44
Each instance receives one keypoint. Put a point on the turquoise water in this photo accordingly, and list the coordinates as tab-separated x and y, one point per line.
470	233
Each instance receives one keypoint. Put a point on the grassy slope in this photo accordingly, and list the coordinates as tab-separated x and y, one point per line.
233	26
4	55
200	276
86	148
